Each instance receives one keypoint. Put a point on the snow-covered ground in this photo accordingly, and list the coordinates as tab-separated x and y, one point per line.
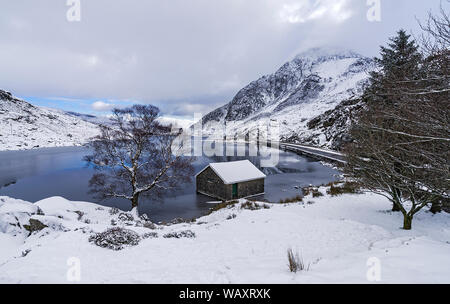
338	236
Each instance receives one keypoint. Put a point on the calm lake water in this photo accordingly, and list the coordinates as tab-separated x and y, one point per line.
37	174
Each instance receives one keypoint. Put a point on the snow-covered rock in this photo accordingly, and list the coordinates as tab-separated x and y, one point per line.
58	207
8	205
24	126
311	84
15	215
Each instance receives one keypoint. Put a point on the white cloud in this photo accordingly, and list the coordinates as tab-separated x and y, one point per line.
101	106
302	11
90	60
177	52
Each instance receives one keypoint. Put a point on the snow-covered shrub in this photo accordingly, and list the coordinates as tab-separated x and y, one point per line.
84	230
39	211
231	216
114	211
181	234
254	206
295	262
221	206
180	220
150	225
314	191
115	238
295	199
150	235
144	217
125	217
317	194
80	214
344	188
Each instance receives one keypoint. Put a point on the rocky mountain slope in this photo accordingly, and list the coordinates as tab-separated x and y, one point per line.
24	126
301	97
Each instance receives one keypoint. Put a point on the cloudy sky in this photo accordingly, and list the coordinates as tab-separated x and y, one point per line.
184	56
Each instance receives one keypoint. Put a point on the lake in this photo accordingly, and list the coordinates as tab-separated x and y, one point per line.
37	174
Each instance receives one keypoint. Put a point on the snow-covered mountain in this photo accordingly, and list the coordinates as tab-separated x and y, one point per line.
24	126
313	84
96	120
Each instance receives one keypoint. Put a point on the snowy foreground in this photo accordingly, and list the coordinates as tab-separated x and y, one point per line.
336	235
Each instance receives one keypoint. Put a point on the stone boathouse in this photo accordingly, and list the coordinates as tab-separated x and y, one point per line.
230	180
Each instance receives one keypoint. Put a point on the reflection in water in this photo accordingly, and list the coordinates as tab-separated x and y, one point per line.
38	174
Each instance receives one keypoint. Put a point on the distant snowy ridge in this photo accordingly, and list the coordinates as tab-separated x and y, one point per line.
176	122
312	84
96	120
24	126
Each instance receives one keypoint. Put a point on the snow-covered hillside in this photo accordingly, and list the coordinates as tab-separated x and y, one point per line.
176	122
336	236
24	126
311	84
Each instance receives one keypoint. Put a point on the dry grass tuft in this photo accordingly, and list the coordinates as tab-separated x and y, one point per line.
344	188
292	200
221	206
295	262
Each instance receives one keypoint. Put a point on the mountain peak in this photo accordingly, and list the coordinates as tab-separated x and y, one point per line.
311	84
327	53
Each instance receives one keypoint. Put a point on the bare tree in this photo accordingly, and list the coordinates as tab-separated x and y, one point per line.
402	142
435	42
436	31
137	157
392	164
